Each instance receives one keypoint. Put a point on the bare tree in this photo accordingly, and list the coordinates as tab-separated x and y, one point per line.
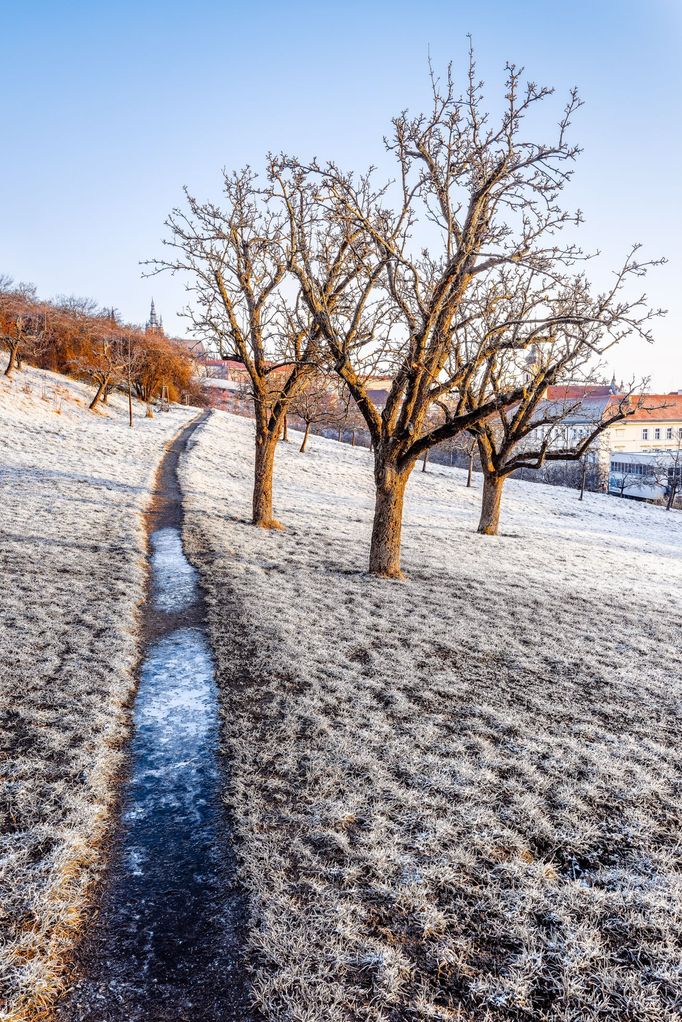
570	329
461	450
22	323
103	363
482	198
674	480
317	404
236	258
503	448
132	359
469	445
667	469
584	465
629	476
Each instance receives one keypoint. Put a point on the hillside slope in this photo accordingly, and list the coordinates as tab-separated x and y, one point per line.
73	485
457	797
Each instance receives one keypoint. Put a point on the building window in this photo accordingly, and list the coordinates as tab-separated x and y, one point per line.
645	434
669	433
657	434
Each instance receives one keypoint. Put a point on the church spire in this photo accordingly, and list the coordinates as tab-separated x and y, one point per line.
154	322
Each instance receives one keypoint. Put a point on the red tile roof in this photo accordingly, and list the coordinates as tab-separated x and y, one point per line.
229	362
575	392
657	408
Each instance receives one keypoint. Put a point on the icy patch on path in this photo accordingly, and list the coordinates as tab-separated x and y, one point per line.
175	580
175	736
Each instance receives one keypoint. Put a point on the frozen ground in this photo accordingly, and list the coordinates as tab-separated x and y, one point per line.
73	485
457	797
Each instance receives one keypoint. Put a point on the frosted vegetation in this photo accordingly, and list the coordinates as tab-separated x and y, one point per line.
72	486
458	797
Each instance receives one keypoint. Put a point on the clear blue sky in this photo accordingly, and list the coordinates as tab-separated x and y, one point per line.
110	108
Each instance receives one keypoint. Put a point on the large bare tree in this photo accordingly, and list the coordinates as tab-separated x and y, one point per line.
531	434
470	198
235	258
571	331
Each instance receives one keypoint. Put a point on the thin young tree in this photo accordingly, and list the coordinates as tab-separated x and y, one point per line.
317	404
674	477
627	478
132	356
667	468
584	467
469	446
469	198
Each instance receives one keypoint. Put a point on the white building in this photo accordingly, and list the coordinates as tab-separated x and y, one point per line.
654	427
647	475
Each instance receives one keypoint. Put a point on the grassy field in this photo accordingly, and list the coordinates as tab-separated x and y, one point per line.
456	797
73	485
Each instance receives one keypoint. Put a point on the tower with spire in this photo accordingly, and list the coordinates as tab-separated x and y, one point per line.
155	323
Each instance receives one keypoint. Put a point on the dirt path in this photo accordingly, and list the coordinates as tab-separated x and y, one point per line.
166	942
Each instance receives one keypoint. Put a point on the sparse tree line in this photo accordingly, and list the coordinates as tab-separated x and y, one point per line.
452	278
73	336
322	407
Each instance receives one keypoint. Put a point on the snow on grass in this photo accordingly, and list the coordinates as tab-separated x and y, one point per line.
72	486
456	797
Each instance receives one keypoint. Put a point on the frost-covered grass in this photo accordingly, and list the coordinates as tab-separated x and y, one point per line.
456	797
72	486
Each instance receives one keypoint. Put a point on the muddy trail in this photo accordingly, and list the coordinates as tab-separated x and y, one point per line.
167	937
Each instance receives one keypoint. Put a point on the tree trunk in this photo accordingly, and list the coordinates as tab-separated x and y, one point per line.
490	508
95	401
130	385
384	554
582	481
305	438
471	468
352	439
340	431
671	497
285	430
266	446
12	364
425	459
